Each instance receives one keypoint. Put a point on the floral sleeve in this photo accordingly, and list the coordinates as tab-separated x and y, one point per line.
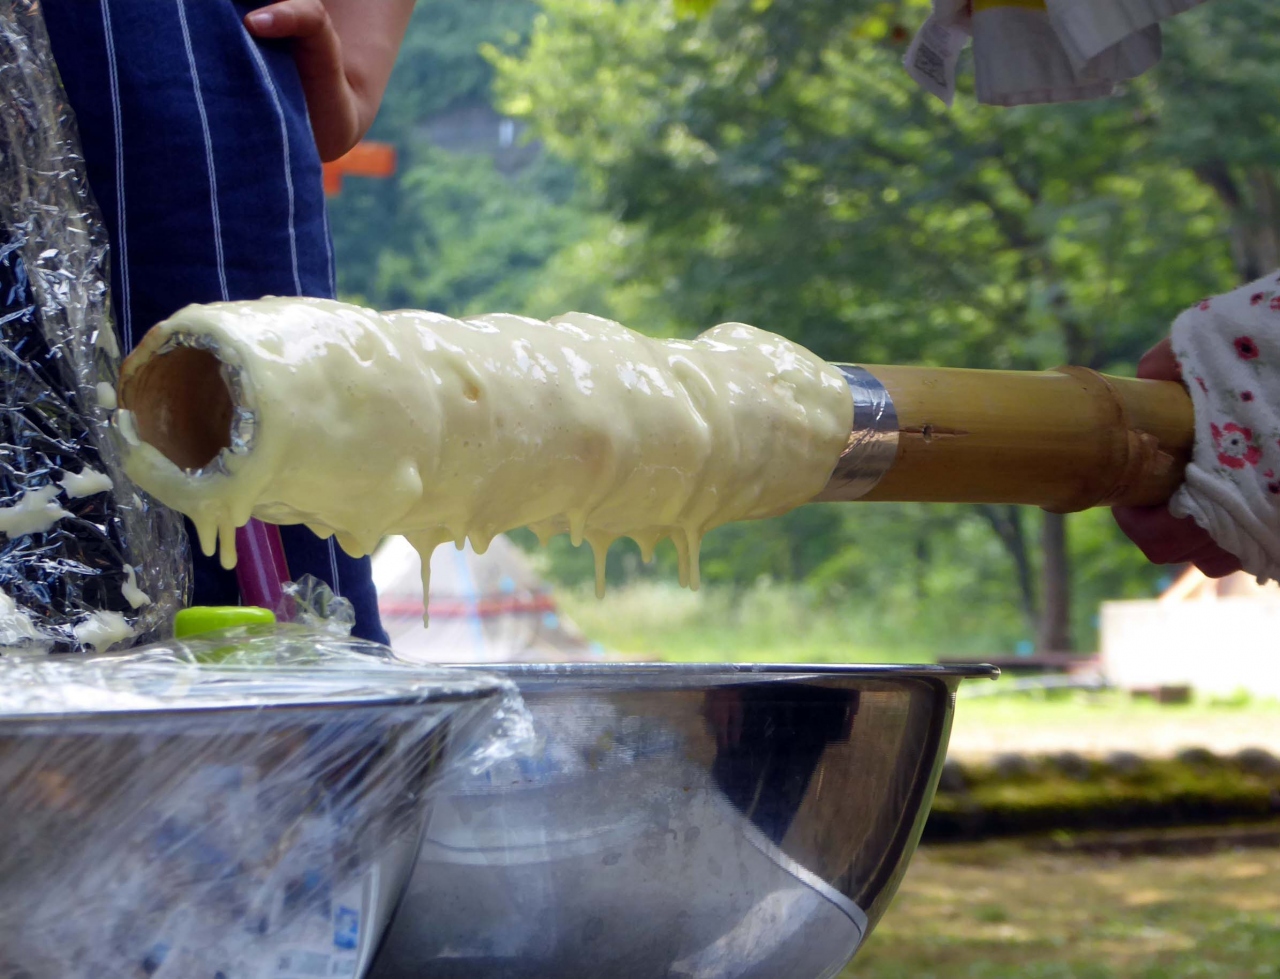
1229	349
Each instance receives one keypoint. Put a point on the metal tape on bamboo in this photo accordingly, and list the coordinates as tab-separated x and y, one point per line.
873	439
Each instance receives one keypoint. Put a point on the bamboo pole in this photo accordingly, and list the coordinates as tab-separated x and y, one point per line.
1064	440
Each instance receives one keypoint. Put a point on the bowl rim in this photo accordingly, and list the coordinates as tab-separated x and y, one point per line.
169	711
640	675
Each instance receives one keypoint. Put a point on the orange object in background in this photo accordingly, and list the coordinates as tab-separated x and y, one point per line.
365	159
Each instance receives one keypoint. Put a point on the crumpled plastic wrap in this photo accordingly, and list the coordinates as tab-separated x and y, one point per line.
245	805
114	552
310	602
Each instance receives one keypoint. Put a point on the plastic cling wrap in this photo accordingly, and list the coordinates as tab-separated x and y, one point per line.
247	805
85	559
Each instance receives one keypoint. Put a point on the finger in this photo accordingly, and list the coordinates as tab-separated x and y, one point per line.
1162	537
1159	363
1155	526
1218	566
1156	533
317	51
1214	561
289	18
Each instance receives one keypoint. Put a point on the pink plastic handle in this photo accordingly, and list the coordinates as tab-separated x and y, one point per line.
261	568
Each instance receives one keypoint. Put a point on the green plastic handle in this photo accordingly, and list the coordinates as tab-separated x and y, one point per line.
200	619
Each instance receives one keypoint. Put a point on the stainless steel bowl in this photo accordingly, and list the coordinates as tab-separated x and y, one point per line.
166	820
700	822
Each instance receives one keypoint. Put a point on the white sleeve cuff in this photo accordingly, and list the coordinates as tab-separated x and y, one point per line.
1229	350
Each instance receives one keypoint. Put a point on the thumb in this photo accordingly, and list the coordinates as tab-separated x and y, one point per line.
289	18
1160	363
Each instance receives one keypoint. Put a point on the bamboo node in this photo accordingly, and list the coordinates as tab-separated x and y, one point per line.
1137	470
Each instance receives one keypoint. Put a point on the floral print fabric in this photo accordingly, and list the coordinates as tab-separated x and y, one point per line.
1229	350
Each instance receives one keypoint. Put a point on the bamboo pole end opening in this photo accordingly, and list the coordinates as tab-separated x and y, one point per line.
180	403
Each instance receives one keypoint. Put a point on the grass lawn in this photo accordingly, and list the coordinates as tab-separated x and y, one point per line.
1000	911
1098	723
779	624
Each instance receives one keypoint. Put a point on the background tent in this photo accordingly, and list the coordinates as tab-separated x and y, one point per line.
1216	636
485	608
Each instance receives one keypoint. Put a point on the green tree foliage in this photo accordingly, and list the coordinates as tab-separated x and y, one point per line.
1218	105
774	163
450	232
440	64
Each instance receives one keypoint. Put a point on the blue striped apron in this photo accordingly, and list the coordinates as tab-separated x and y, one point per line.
200	153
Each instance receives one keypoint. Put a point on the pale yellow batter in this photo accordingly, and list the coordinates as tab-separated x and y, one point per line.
360	424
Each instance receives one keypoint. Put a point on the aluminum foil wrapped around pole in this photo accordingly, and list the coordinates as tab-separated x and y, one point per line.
873	438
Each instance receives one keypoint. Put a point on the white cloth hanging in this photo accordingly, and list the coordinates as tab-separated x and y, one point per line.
1038	51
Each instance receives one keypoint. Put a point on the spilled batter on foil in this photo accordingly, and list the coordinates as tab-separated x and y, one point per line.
362	424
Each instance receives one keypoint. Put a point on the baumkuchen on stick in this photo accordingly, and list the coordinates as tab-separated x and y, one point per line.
360	424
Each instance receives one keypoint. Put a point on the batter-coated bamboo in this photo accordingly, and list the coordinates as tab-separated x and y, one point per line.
1065	439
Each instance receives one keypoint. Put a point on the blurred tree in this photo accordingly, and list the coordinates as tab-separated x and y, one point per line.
440	65
1219	110
451	231
770	161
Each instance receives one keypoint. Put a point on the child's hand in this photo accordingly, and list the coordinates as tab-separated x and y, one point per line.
1162	537
345	50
